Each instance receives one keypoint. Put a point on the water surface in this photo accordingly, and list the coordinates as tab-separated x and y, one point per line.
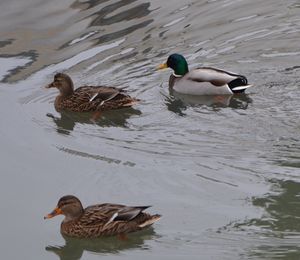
223	171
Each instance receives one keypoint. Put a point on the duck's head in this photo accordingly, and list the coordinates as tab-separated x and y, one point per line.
69	206
63	83
176	62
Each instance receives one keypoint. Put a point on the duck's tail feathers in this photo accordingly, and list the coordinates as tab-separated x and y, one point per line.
239	85
150	221
132	102
123	89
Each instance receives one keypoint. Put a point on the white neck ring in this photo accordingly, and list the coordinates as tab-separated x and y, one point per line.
176	75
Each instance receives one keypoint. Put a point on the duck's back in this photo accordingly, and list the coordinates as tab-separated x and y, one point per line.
216	76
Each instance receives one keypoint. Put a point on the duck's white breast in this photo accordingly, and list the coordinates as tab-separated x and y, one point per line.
189	87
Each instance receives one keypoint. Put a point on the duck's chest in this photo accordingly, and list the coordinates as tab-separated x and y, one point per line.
72	229
58	104
80	230
74	104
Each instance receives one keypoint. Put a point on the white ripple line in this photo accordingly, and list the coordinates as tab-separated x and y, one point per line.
174	22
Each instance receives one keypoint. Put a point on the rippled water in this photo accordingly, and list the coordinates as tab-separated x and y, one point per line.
223	171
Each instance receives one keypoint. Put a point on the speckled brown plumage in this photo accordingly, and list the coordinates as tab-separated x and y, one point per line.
88	98
101	219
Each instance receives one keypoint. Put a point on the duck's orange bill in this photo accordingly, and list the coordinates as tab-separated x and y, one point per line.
162	66
55	212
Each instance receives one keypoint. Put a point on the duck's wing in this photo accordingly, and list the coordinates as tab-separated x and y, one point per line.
106	93
102	93
129	213
107	213
215	76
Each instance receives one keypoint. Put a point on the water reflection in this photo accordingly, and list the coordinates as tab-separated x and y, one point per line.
74	248
282	208
279	226
278	252
94	22
87	4
103	17
107	16
14	63
287	151
122	33
67	120
178	102
3	43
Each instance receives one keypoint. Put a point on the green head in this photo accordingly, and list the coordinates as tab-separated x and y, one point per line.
178	63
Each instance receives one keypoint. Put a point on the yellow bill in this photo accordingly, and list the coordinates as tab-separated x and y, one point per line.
55	212
162	66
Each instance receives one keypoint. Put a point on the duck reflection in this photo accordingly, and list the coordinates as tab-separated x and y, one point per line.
67	120
74	248
177	102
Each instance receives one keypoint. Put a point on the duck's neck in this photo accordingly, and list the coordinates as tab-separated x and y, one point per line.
73	217
66	92
69	218
63	95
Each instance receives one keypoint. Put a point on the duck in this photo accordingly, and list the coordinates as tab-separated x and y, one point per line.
88	98
101	219
203	80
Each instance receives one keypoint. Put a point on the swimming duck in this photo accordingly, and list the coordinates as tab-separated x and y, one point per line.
101	219
88	98
204	80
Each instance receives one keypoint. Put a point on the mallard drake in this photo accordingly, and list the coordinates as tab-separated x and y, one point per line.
88	98
204	80
101	219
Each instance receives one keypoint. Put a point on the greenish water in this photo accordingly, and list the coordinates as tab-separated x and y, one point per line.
223	171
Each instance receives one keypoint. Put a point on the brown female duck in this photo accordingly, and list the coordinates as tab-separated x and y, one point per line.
88	98
101	219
